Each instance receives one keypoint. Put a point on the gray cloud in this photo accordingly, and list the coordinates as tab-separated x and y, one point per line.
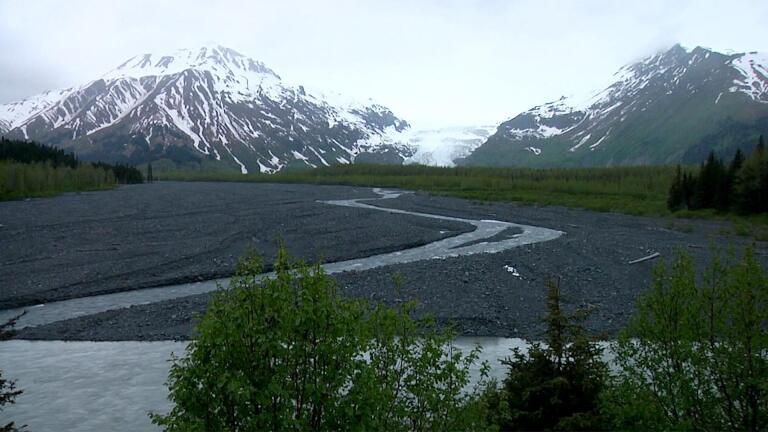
433	62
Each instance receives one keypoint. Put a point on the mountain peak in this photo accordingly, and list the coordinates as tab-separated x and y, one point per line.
209	104
209	57
670	107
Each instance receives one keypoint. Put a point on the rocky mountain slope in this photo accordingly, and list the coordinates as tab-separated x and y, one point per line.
671	107
209	107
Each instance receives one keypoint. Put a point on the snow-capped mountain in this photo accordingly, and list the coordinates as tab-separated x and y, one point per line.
671	107
441	147
209	106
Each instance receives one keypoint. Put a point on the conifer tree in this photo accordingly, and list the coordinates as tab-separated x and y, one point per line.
730	187
676	197
737	162
752	182
689	187
556	384
708	186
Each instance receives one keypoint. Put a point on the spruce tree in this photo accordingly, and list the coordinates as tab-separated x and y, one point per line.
737	162
676	199
150	178
689	188
752	182
763	177
556	385
730	187
708	187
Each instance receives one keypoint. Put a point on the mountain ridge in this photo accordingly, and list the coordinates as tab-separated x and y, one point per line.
673	106
210	106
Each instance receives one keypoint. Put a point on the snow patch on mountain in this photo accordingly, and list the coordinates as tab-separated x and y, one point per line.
753	67
223	105
14	114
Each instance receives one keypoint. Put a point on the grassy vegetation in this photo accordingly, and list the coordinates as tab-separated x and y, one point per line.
633	190
21	180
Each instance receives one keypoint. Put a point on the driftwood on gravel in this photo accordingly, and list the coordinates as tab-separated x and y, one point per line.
646	258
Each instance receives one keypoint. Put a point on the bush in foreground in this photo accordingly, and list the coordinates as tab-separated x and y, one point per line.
8	390
555	385
288	353
694	357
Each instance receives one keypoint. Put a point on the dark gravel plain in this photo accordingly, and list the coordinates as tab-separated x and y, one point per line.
172	232
477	293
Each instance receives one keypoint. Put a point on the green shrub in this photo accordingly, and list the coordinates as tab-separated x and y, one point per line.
288	353
694	355
8	390
555	385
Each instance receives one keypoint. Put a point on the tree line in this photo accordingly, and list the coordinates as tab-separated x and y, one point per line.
740	186
29	152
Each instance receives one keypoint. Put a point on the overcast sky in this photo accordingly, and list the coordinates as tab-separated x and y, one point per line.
433	62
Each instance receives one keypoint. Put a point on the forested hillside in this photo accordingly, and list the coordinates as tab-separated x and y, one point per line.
30	169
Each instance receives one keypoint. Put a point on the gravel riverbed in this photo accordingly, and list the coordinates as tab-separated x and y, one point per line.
164	233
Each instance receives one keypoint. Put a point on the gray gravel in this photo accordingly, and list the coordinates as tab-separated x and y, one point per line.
476	293
168	233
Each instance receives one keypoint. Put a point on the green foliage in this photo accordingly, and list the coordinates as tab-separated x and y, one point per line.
8	390
30	152
635	190
288	353
676	196
694	355
29	169
555	385
742	186
18	180
123	174
752	182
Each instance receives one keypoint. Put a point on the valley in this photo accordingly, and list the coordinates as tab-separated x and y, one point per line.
59	248
383	216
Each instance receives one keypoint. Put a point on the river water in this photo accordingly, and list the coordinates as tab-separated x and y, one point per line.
100	386
469	243
112	386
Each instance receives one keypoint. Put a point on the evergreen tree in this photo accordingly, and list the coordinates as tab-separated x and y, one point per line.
555	385
763	167
676	197
737	162
730	187
689	188
150	178
708	186
752	182
30	152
